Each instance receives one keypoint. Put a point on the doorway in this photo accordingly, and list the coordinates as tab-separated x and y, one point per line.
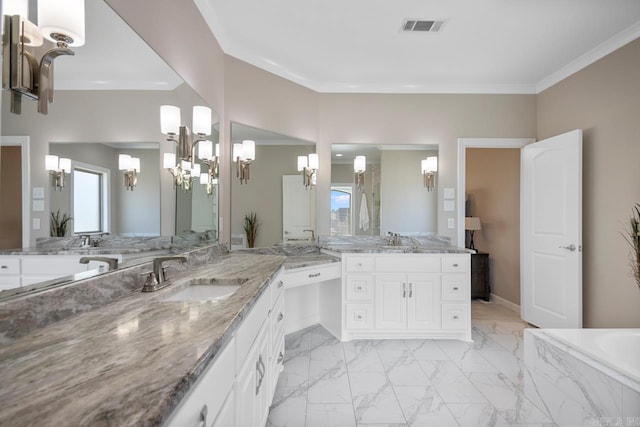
489	189
14	192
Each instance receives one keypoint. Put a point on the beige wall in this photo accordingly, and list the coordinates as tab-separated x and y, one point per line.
493	194
603	100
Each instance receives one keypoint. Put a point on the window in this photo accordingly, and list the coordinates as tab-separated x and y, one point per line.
341	210
89	201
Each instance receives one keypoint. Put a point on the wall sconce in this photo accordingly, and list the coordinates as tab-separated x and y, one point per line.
57	167
429	169
209	181
170	125
29	50
183	172
359	168
472	224
131	167
207	156
308	165
244	153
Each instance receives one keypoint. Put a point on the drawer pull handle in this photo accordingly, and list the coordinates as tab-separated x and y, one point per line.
455	317
359	317
404	290
315	275
359	288
261	370
4	267
280	284
455	265
455	288
359	264
410	290
280	317
203	416
280	357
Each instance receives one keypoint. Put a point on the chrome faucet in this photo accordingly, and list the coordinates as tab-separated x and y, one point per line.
394	239
111	262
313	234
86	240
157	279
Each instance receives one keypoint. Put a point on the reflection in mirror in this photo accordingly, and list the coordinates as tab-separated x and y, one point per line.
275	191
390	195
107	102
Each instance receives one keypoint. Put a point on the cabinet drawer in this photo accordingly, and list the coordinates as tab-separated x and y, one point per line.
277	319
52	265
307	275
359	287
455	287
9	282
248	330
455	316
359	316
277	289
408	264
455	264
9	266
356	264
210	390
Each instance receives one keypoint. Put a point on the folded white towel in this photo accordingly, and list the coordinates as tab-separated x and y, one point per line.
364	213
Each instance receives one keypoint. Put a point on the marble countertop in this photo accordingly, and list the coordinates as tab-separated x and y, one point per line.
127	363
298	256
92	250
389	249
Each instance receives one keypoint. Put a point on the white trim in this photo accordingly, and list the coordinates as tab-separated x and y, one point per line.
106	194
463	144
505	303
23	142
595	54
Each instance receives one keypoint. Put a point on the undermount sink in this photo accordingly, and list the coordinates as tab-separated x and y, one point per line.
206	290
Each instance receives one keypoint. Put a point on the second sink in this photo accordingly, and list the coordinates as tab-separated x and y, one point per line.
211	290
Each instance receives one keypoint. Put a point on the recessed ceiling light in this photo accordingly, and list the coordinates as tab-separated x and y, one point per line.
338	154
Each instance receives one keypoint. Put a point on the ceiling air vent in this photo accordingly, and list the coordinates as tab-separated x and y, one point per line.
421	25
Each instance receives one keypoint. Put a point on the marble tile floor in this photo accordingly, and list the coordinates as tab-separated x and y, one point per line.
409	382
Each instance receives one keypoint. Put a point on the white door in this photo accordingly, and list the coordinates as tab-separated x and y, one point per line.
298	207
551	232
423	301
391	301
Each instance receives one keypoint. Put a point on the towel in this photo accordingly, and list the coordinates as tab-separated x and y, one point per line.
364	213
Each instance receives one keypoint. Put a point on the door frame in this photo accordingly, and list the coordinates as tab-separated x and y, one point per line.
23	143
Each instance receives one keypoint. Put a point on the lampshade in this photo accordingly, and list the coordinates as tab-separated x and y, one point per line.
202	120
169	161
64	17
195	170
185	165
430	164
237	151
360	164
16	7
135	164
170	119
472	223
204	178
249	149
302	163
51	162
218	149
205	150
64	164
313	161
124	162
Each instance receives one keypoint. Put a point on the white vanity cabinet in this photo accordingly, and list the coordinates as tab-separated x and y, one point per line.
406	296
237	388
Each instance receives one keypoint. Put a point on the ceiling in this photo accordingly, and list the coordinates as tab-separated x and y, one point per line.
484	46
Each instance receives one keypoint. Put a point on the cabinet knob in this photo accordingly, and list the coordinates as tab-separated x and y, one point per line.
455	288
280	284
280	317
455	265
359	317
359	288
203	416
315	275
359	264
4	267
455	317
280	357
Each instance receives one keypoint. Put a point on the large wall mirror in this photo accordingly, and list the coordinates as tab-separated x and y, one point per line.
389	197
106	103
275	192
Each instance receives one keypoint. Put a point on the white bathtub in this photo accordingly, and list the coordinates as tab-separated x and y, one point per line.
619	349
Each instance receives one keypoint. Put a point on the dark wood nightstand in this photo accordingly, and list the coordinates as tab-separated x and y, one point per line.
480	287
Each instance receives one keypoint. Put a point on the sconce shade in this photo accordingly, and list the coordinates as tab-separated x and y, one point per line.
237	151
202	120
65	165
360	164
204	178
170	119
65	17
302	163
51	162
249	149
169	161
205	149
472	223
135	164
195	170
16	7
186	165
124	162
430	164
313	161
218	150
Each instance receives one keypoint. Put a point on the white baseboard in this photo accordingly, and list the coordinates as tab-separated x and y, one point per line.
505	303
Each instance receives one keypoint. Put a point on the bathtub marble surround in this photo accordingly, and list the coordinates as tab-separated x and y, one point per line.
127	364
409	382
27	312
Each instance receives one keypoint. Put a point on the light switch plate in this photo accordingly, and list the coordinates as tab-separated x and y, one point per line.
38	205
36	223
451	223
449	206
449	193
38	192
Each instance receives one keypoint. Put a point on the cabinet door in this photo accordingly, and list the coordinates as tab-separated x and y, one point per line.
226	416
423	301
263	389
391	301
245	393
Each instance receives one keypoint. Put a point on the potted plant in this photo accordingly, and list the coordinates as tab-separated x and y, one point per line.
632	236
251	228
58	224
